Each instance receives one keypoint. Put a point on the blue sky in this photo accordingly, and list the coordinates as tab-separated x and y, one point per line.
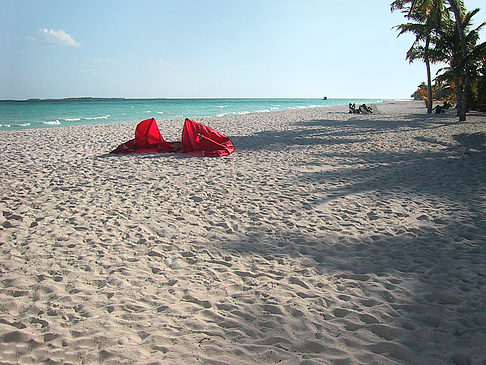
195	48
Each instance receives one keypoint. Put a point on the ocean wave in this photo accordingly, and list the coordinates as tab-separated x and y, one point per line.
93	112
95	118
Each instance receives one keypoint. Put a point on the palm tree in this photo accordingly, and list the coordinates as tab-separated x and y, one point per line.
481	85
455	6
427	16
420	51
448	49
477	62
425	7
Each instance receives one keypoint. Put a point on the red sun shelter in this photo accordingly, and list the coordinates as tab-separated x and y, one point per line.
197	139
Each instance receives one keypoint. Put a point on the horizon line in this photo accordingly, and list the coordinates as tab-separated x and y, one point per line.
80	98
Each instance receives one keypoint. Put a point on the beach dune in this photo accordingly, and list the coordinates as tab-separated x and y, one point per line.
326	238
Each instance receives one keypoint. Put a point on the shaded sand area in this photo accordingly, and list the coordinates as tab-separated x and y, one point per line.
327	238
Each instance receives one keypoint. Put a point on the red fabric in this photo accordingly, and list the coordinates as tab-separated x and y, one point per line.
147	134
202	140
197	139
147	139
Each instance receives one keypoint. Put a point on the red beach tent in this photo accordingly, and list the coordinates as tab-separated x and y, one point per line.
197	139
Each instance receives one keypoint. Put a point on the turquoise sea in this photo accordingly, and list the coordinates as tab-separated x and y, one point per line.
66	112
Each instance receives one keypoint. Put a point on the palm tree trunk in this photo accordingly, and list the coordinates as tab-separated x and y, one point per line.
467	77
429	78
459	93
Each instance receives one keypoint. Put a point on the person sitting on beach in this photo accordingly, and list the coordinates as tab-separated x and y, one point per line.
365	109
442	108
439	109
352	109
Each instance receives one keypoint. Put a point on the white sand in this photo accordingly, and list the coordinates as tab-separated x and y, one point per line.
326	238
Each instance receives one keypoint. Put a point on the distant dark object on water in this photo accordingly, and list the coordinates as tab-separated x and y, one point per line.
324	98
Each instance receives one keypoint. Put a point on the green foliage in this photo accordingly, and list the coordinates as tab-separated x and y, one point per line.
449	49
444	33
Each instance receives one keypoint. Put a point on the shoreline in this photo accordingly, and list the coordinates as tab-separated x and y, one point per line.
327	237
64	112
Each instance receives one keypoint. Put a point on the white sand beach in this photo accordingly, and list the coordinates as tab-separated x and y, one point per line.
326	238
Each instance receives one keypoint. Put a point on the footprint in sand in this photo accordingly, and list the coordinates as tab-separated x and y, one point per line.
368	318
385	332
393	349
341	312
203	303
10	219
297	281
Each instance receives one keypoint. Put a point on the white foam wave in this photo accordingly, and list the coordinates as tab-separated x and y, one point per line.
52	122
5	125
95	118
24	124
72	119
263	111
160	112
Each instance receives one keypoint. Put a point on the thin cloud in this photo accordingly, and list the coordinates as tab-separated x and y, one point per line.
56	37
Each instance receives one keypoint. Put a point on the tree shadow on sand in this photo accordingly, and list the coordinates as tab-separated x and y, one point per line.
422	172
275	140
402	295
329	132
423	286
